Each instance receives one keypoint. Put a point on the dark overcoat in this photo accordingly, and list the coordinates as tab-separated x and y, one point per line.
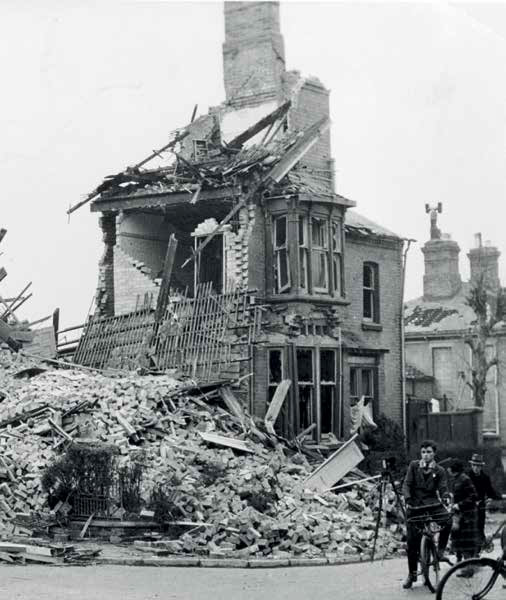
465	539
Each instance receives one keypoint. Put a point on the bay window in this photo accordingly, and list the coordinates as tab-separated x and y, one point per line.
311	251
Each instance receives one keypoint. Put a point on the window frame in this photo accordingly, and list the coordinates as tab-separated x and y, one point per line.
373	291
302	253
372	398
280	253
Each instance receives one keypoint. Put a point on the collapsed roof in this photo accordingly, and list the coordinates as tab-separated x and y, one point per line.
197	159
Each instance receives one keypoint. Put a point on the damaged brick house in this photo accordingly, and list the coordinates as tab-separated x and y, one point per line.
248	192
437	323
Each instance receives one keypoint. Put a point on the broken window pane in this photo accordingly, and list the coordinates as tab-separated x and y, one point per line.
281	268
280	232
305	406
327	408
328	365
275	366
303	253
305	365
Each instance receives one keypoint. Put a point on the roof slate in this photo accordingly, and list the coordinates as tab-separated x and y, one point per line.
449	314
357	223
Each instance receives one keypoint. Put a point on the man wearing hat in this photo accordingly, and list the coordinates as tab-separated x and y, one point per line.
484	489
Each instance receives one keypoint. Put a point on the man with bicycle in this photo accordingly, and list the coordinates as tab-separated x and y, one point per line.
425	484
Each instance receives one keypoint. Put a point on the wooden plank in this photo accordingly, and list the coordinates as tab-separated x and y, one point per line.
276	404
341	462
291	158
3	273
85	526
221	440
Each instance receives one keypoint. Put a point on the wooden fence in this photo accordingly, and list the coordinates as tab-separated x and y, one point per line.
461	428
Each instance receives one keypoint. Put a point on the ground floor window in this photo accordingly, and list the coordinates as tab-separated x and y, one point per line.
316	376
313	397
363	383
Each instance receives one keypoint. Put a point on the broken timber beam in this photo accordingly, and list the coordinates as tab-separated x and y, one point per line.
3	273
11	308
163	296
2	233
155	153
271	118
292	157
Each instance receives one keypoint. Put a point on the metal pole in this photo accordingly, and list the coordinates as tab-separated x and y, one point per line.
403	343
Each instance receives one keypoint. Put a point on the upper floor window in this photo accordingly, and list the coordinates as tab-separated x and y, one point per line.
281	267
317	253
371	292
320	254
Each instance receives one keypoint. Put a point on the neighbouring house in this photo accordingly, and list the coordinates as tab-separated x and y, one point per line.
248	191
436	326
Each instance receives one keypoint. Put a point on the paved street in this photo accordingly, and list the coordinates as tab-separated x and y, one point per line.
379	581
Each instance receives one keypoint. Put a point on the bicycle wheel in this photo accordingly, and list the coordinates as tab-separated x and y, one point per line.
459	584
430	563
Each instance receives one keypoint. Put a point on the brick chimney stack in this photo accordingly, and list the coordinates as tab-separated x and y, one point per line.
253	53
485	259
442	277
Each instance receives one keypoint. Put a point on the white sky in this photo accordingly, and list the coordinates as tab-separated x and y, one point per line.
418	103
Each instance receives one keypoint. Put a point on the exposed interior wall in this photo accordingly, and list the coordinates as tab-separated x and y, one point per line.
236	241
131	285
144	237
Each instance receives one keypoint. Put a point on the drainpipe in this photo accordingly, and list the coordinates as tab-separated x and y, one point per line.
403	344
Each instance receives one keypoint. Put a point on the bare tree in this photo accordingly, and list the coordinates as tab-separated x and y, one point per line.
490	308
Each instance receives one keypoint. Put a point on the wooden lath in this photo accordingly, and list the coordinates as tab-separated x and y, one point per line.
201	337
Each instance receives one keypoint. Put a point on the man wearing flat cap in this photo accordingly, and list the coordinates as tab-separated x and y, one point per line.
484	489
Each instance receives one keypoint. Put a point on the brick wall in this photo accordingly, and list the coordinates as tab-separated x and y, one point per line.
253	52
310	102
130	284
388	259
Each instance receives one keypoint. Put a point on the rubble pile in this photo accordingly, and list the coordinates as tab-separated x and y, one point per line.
238	490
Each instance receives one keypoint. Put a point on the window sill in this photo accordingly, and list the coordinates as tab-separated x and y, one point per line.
314	299
370	326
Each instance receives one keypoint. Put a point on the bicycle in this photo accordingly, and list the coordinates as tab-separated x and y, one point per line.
474	578
430	525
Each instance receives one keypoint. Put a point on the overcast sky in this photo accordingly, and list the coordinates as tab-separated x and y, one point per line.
418	105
